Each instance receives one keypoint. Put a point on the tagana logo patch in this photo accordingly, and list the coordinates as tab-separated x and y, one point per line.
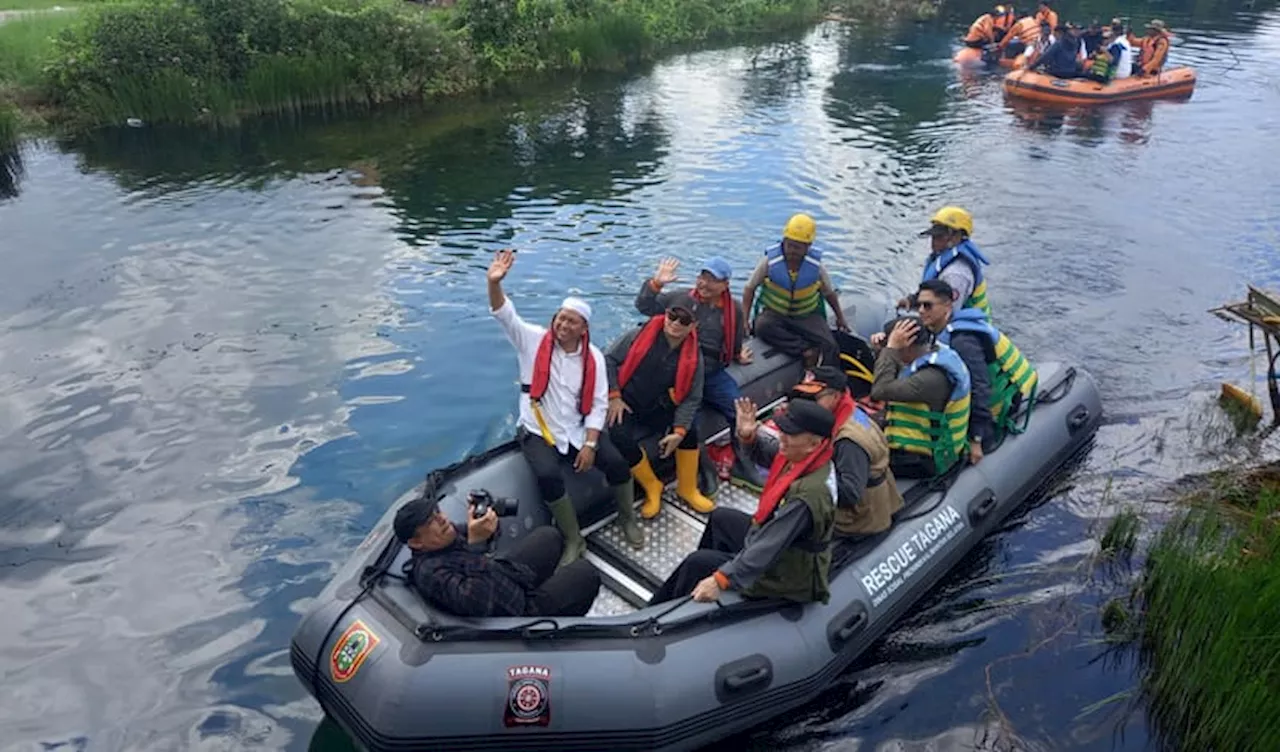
528	696
351	650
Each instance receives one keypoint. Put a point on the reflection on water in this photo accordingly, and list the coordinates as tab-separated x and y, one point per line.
10	172
225	353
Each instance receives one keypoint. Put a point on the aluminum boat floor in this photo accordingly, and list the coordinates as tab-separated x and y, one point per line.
631	576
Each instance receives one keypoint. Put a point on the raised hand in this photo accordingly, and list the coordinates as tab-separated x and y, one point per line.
666	273
501	264
747	423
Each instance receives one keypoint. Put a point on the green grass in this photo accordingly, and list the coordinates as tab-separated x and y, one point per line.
26	46
1209	621
215	61
37	4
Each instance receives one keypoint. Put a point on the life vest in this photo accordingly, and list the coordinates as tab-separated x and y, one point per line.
874	511
982	31
1026	30
1100	64
686	366
1153	46
914	427
968	252
798	296
1010	373
537	388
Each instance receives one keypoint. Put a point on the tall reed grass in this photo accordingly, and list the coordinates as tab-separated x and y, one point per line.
1208	626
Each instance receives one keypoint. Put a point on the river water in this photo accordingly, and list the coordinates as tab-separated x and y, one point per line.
224	354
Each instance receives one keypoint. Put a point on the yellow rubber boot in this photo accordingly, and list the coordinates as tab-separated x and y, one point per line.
687	481
643	473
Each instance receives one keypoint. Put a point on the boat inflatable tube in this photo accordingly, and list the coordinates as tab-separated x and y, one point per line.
397	674
1041	87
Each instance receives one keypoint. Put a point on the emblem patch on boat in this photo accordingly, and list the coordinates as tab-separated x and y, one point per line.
528	696
349	652
1059	83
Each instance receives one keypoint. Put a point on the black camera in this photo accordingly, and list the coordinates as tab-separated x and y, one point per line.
483	501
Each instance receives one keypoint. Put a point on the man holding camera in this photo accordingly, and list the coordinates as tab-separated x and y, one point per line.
563	403
450	569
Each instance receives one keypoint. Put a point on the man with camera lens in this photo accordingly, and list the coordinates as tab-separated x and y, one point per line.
563	402
451	570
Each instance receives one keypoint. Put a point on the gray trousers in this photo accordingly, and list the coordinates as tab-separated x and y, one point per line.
795	335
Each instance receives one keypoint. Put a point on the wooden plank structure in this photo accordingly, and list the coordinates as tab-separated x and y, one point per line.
1261	311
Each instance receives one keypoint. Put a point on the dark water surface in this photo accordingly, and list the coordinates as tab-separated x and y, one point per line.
224	355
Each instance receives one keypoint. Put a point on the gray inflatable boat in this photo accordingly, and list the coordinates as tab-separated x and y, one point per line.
399	675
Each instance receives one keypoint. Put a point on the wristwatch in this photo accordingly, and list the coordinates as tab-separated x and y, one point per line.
590	444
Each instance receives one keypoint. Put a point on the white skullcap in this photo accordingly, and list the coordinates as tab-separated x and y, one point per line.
578	306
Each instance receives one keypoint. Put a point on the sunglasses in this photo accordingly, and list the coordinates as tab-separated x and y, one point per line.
926	305
680	317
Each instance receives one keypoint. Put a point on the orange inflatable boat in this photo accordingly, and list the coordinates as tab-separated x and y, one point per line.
972	57
1041	87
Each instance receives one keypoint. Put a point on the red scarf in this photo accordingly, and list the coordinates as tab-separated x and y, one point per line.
727	320
685	370
542	371
778	483
844	411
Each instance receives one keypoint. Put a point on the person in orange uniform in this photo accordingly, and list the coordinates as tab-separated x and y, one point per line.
982	32
1154	50
1045	12
1022	36
1002	20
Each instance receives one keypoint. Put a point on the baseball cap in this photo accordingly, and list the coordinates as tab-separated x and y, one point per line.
824	377
805	416
718	268
412	516
683	301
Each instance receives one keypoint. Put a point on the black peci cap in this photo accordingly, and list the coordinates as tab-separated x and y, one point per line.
804	416
412	516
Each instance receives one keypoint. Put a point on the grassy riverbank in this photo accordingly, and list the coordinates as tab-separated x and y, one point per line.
214	61
1207	621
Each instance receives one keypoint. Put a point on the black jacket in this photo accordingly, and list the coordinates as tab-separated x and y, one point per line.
464	582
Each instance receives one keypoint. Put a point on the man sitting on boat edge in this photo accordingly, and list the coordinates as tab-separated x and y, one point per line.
868	493
783	550
564	401
450	571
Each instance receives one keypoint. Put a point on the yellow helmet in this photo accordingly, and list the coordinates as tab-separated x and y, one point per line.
800	228
955	218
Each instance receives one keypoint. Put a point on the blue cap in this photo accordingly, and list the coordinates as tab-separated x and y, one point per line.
718	267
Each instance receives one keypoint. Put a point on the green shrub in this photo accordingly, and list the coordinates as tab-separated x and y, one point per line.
191	60
214	60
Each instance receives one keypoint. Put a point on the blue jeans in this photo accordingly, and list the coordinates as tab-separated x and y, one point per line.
719	390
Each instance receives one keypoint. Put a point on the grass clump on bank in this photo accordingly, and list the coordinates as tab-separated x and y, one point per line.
213	61
1208	622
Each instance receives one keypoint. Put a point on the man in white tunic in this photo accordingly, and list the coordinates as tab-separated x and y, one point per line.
563	402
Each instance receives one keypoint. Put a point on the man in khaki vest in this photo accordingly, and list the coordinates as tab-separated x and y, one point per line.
867	493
